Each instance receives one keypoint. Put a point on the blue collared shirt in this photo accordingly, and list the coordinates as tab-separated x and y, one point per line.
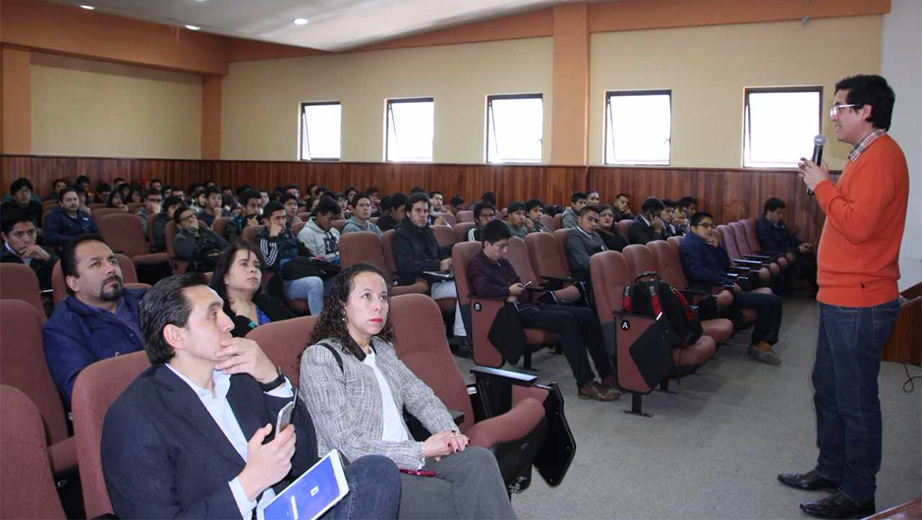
222	413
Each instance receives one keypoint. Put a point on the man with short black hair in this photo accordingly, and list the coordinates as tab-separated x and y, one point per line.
775	236
360	217
153	200
455	204
102	193
67	220
19	246
249	199
213	208
192	436
198	245
583	241
318	235
396	206
279	245
22	199
578	201
484	212
647	225
518	223
534	209
56	186
290	202
99	318
592	198
667	217
436	198
622	208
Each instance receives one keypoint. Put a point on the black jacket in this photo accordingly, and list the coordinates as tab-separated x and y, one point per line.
415	251
640	232
33	211
776	237
613	241
274	309
42	268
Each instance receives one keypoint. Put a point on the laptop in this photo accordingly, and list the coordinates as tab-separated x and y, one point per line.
312	494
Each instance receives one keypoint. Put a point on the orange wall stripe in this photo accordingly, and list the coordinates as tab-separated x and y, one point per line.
570	128
211	117
16	104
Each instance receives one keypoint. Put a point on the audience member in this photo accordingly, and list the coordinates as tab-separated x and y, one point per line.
152	203
775	236
22	200
319	236
622	207
290	203
167	212
706	263
249	199
647	226
213	207
583	241
681	220
592	198
356	389
20	247
156	465
571	214
360	217
492	275
56	186
135	195
156	184
278	246
67	220
611	237
534	209
416	250
99	318
102	193
84	182
666	216
484	212
490	197
115	201
455	205
397	212
436	199
198	245
518	223
263	199
238	281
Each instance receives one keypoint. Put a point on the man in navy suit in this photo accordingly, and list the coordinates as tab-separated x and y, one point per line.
192	436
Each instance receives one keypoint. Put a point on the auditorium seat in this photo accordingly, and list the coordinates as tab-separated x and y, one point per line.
23	365
739	233
444	235
461	231
19	282
390	269
479	312
98	213
558	222
449	219
284	341
249	235
178	265
465	215
25	470
296	228
129	278
624	226
339	224
548	222
123	234
96	388
752	236
610	273
150	228
517	254
134	206
220	225
550	268
304	216
727	240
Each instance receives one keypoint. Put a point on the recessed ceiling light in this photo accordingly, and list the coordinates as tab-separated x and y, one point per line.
87	7
301	21
193	27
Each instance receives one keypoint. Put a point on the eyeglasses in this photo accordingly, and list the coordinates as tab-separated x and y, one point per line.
834	111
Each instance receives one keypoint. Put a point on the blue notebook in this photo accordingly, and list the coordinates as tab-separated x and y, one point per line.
312	494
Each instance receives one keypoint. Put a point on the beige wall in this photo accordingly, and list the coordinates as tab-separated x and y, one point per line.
707	69
93	108
260	100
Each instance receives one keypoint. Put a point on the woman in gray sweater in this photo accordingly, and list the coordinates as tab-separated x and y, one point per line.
357	389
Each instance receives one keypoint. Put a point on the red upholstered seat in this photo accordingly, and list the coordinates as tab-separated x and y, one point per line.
19	282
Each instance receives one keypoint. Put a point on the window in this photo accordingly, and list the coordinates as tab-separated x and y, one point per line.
779	125
409	129
321	131
515	125
638	127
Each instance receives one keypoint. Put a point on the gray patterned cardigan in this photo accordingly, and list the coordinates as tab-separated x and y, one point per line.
346	406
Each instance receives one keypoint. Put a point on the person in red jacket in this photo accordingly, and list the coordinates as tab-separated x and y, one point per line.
858	296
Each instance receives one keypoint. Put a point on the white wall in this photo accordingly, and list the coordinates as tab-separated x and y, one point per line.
901	65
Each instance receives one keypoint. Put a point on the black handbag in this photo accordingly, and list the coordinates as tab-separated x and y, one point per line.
302	267
506	333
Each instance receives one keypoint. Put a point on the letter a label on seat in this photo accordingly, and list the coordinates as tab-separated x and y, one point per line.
625	325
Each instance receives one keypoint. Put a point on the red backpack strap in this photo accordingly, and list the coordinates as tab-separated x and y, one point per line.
689	312
626	299
654	300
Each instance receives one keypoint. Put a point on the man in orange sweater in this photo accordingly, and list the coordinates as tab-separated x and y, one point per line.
858	296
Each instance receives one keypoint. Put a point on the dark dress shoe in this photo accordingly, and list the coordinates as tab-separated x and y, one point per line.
839	505
597	392
810	481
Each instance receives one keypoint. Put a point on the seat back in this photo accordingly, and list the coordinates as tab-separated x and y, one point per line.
362	246
477	321
150	227
461	230
558	222
752	233
220	225
99	213
465	215
25	468
304	215
178	266
560	236
134	206
624	226
545	256
727	240
296	228
449	219
123	233
517	254
422	346
284	341
668	264
739	233
96	388
59	284
19	282
390	264
548	222
23	365
444	235
639	259
339	224
249	235
96	205
48	205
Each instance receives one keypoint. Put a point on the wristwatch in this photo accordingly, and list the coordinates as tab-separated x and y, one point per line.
275	383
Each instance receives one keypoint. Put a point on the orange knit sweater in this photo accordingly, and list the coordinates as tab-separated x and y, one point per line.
865	216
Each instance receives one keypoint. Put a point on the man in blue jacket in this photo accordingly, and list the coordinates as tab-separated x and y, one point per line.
99	318
67	220
705	264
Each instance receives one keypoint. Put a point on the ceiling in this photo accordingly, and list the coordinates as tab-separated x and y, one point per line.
334	25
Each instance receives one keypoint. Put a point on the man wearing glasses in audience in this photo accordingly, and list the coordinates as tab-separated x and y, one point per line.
152	203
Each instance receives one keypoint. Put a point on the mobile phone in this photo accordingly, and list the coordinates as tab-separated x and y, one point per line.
284	418
419	472
526	284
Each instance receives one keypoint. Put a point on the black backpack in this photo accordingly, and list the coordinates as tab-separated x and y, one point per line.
650	296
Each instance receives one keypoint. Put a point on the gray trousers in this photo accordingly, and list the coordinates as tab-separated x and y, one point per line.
467	485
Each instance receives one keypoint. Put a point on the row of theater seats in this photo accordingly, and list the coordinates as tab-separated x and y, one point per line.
508	413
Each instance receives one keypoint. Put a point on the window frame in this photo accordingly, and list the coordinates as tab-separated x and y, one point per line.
387	123
490	120
609	123
304	140
747	117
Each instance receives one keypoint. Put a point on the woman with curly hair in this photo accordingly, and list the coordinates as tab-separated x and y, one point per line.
356	389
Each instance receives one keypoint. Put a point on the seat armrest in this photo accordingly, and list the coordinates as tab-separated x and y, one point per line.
537	288
757	257
567	279
473	297
516	378
693	292
746	261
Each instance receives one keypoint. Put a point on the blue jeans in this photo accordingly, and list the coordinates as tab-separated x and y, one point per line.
848	422
374	490
309	288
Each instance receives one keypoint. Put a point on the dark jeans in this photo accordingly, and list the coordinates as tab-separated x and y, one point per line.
848	423
769	308
579	330
374	490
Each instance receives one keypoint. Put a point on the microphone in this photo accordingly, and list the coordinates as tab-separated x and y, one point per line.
818	143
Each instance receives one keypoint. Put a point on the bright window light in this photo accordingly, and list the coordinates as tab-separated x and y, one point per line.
515	125
638	127
410	129
779	125
320	131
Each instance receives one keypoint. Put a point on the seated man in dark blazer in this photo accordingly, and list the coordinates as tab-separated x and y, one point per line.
775	236
583	241
19	247
492	275
192	436
647	226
